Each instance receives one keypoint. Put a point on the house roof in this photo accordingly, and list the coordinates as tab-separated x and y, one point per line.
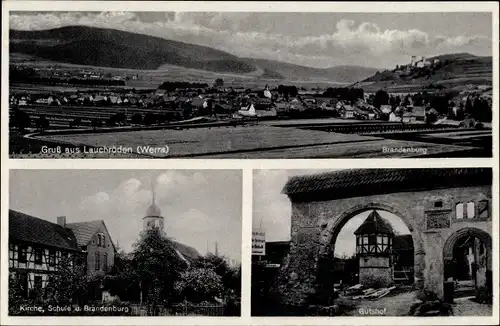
85	230
419	110
374	224
385	109
189	253
197	101
360	110
281	105
27	228
359	182
410	114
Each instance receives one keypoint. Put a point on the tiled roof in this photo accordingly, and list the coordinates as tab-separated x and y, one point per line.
374	224
354	182
188	252
85	230
27	228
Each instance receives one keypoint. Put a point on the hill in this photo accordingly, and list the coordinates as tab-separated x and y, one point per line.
445	71
101	47
341	74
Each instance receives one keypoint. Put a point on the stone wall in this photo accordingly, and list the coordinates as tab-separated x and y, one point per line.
315	226
375	271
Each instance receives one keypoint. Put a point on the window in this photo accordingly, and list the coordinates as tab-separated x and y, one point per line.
471	210
482	209
101	240
97	262
52	257
105	262
459	210
438	204
38	256
379	243
21	253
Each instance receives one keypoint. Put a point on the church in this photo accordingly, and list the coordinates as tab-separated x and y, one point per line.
154	219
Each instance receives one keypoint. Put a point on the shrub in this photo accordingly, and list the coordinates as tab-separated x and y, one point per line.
199	284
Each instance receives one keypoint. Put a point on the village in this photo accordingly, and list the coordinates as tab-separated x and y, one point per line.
178	101
65	106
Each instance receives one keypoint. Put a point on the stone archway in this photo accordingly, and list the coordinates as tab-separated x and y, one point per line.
483	276
331	231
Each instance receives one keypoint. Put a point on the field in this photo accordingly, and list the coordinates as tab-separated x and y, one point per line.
151	79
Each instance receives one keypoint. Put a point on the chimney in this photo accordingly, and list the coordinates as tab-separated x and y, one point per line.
61	220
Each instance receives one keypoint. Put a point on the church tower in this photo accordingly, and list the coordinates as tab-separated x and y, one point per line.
153	216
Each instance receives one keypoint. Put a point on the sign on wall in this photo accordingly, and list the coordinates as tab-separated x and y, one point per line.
438	219
258	242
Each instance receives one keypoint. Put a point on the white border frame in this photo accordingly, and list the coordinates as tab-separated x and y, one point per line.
245	165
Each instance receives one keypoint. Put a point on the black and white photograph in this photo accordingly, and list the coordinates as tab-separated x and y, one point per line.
249	85
249	163
124	243
372	242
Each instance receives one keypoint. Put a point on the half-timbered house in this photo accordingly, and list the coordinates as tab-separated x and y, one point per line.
36	249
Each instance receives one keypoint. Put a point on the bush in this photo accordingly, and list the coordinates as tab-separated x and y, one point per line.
199	284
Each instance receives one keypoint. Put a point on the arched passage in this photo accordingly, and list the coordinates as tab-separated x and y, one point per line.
468	262
467	231
335	226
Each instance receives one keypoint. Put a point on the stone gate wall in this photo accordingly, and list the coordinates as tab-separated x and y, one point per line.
430	216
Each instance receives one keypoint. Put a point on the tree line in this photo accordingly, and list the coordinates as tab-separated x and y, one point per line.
172	86
29	75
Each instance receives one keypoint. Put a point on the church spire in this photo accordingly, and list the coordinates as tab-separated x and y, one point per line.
152	191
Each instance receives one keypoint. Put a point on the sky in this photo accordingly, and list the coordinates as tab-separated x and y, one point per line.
379	40
272	211
194	214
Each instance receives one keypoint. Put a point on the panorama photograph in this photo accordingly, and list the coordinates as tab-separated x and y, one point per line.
123	84
124	243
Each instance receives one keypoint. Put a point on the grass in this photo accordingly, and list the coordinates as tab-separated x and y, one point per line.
258	141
